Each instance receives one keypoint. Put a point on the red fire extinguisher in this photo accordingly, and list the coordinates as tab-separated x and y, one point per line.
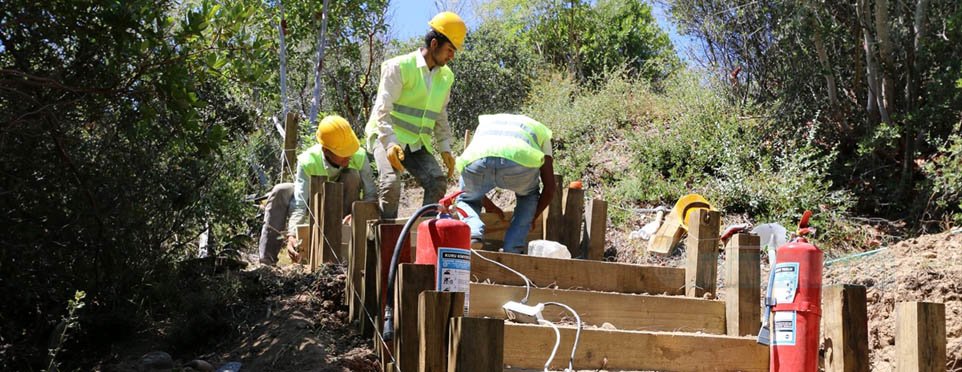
443	242
794	299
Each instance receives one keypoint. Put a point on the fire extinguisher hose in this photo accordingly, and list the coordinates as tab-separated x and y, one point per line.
388	333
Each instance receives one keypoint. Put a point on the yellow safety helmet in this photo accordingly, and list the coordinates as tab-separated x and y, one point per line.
687	204
334	133
451	26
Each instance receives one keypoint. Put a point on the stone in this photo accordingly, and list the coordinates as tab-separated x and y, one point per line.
156	361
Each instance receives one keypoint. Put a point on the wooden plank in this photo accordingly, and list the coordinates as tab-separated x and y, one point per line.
845	329
701	270
435	309
527	346
579	274
290	145
920	337
361	212
743	282
369	276
477	345
553	216
412	280
316	221
596	219
333	212
574	211
667	236
624	311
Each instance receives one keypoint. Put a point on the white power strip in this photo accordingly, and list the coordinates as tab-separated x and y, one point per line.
521	313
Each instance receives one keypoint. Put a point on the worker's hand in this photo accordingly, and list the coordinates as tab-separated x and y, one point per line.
395	155
292	252
448	162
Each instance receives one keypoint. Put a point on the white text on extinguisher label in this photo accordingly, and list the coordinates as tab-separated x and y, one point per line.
454	272
785	328
785	284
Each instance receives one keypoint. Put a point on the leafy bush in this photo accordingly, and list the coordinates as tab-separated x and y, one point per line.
945	173
639	146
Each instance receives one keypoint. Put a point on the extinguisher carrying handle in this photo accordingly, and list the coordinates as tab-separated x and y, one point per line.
449	200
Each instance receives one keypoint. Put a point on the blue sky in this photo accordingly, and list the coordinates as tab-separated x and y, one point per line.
409	19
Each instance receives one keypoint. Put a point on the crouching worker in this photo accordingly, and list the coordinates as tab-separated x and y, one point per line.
511	152
338	156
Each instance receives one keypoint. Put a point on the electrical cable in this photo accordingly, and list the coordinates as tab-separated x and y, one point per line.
527	282
557	342
392	274
571	361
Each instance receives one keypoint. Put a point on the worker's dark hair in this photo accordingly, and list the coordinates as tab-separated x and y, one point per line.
433	34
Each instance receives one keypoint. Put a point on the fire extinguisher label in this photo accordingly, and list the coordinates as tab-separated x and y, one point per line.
785	328
454	272
785	284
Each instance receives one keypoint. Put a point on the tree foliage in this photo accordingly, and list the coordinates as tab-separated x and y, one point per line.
874	78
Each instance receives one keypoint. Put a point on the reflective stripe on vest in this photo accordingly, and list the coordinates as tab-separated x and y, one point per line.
514	137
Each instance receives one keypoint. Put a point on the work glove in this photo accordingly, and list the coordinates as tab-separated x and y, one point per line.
448	162
395	154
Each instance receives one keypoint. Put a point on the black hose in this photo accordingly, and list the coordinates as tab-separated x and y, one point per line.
388	333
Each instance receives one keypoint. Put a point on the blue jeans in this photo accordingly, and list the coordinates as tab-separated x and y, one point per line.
484	175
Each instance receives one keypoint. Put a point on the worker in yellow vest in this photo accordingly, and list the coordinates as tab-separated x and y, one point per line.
338	156
511	152
410	115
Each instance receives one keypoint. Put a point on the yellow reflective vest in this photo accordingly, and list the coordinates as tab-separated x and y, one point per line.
514	137
415	111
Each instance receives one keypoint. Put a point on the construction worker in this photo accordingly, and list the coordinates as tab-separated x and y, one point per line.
338	156
410	115
510	152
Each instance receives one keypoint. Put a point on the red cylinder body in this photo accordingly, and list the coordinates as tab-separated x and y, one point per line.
440	233
796	324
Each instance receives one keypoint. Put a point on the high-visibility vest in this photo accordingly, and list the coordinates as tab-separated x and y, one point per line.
514	137
312	160
415	111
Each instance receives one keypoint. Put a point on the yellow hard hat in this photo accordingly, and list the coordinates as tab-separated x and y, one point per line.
451	26
687	204
334	133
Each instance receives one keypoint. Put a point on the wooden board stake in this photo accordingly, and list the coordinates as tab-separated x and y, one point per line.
574	209
477	345
317	221
845	328
920	337
701	270
743	285
553	216
357	250
596	219
435	310
412	280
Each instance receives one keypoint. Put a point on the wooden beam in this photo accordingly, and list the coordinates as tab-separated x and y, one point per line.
920	337
435	309
743	285
553	216
412	280
667	236
596	220
845	329
333	213
361	212
477	345
528	346
624	311
701	270
574	211
316	217
579	274
290	146
369	282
